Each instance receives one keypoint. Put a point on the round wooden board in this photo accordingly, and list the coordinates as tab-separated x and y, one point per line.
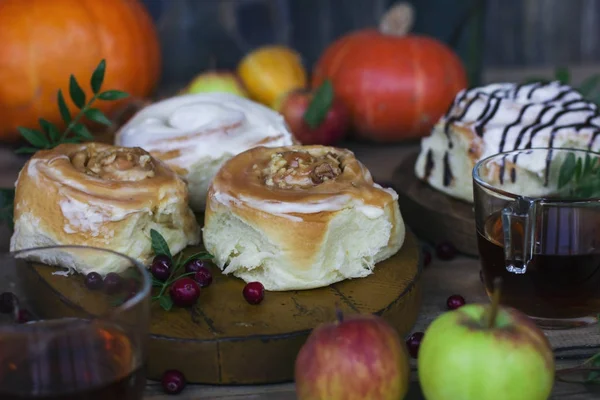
431	214
225	340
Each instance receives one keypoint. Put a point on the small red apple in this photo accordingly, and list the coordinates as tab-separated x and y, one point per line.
356	358
329	131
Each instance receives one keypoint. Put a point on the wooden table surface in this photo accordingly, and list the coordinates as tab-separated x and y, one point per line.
440	280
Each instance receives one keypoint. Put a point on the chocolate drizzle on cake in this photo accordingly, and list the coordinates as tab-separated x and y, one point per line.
523	111
448	177
429	164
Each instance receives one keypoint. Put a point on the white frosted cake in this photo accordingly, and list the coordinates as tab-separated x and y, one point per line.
503	117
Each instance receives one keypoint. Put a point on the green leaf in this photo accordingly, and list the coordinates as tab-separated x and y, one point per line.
34	137
82	132
159	244
112	95
50	129
562	75
157	283
567	169
320	105
63	108
97	116
76	93
165	302
578	169
26	150
98	77
589	84
74	139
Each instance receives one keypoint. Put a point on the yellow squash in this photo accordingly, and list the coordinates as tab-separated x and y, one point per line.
270	72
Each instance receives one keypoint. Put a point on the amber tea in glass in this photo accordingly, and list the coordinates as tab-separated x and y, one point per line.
538	228
90	347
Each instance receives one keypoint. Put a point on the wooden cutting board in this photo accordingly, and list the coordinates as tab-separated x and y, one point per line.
225	340
431	214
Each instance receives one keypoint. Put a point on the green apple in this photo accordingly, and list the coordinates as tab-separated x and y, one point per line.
359	357
467	354
217	81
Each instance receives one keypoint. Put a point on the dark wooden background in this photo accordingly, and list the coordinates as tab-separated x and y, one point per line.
498	37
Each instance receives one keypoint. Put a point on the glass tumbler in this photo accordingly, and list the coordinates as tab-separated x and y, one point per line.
537	215
64	338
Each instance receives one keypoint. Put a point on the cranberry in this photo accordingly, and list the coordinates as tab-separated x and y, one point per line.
426	257
112	283
455	301
93	281
24	316
195	265
7	302
413	343
160	271
254	292
173	381
203	277
445	251
184	292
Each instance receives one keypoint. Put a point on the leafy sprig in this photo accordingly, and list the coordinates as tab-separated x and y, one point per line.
49	136
579	177
160	247
320	104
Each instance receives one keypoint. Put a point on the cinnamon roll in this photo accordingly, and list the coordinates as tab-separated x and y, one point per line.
101	196
503	117
299	217
195	134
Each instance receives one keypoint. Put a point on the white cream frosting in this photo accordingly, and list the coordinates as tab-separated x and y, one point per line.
504	117
204	126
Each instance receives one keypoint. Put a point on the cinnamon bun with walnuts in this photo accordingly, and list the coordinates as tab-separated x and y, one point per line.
102	196
299	217
195	134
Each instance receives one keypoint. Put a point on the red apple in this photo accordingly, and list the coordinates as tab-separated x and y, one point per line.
357	358
331	130
465	355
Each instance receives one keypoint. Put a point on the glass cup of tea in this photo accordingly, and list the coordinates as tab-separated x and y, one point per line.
63	336
537	215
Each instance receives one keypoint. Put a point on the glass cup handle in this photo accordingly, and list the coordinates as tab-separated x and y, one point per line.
518	226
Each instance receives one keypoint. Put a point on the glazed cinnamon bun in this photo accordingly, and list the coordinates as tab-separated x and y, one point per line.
101	196
502	117
299	217
195	134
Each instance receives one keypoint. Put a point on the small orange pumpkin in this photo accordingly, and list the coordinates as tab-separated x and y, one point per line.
43	42
396	86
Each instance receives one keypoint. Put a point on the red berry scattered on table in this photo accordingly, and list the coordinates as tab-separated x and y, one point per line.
195	265
161	267
455	301
173	381
426	257
112	283
7	302
93	281
254	292
203	277
413	343
184	292
445	251
24	316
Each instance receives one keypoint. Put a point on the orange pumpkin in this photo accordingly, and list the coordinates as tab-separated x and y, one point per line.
396	87
43	42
